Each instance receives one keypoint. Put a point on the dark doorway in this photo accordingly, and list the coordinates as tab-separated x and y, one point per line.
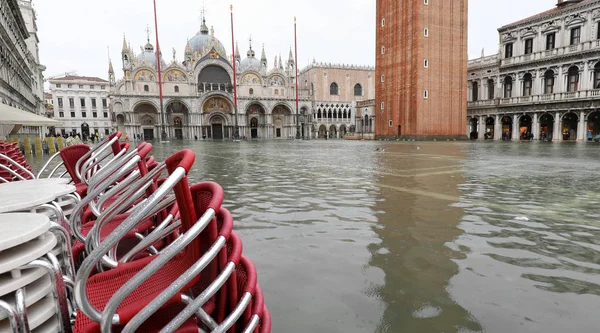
148	134
399	130
179	134
278	132
217	131
254	128
85	131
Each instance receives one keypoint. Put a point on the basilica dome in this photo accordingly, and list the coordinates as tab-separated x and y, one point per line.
203	42
149	56
250	63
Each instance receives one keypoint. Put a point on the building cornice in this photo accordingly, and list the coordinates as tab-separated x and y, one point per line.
571	9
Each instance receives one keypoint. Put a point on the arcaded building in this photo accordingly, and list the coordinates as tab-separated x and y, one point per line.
544	84
421	68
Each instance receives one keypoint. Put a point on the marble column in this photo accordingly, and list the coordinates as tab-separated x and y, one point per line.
581	128
516	135
535	127
557	135
498	128
481	130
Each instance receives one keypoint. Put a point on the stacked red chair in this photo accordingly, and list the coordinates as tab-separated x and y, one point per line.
192	275
14	165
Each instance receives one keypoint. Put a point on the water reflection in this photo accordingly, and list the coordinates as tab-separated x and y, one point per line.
531	238
415	221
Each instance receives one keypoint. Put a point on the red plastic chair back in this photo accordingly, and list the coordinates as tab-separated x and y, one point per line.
70	155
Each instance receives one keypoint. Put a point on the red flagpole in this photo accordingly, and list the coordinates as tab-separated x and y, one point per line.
234	75
160	90
297	97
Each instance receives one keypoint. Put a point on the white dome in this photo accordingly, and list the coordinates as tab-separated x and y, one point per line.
149	56
202	43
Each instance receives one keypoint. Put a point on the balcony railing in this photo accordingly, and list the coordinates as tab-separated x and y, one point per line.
585	46
565	96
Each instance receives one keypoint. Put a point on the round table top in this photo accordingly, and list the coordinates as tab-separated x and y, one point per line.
19	228
18	256
12	200
55	185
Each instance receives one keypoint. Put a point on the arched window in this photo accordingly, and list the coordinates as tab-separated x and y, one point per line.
335	114
527	84
334	89
549	82
490	89
573	79
176	89
508	82
475	91
319	114
146	88
597	70
251	91
340	114
358	91
329	115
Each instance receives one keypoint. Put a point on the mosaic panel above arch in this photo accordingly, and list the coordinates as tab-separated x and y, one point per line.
251	78
177	107
217	104
276	80
144	75
175	75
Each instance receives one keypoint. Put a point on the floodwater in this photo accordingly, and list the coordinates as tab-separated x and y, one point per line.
422	237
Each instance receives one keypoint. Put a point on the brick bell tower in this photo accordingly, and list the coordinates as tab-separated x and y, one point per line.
421	69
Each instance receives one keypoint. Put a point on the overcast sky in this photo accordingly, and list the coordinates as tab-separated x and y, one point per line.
76	34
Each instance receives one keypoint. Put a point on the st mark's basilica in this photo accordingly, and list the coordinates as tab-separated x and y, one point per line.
198	99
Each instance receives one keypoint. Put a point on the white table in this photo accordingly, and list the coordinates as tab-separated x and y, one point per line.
19	228
23	254
12	200
52	185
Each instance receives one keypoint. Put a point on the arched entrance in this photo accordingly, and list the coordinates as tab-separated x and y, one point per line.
332	132
490	123
343	131
507	124
593	126
546	127
256	119
178	124
473	133
282	121
217	127
254	128
525	127
176	114
322	132
569	126
85	131
147	114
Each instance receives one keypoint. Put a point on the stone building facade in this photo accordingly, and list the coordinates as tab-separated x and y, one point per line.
544	84
21	81
199	101
81	104
199	94
335	91
421	68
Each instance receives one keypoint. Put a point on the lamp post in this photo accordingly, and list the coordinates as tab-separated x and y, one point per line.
160	90
297	96
236	130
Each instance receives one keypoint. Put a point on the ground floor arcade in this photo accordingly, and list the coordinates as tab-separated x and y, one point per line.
570	125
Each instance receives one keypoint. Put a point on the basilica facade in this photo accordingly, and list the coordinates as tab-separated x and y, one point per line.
199	100
198	94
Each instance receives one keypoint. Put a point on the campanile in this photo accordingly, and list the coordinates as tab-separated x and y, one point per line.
421	69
